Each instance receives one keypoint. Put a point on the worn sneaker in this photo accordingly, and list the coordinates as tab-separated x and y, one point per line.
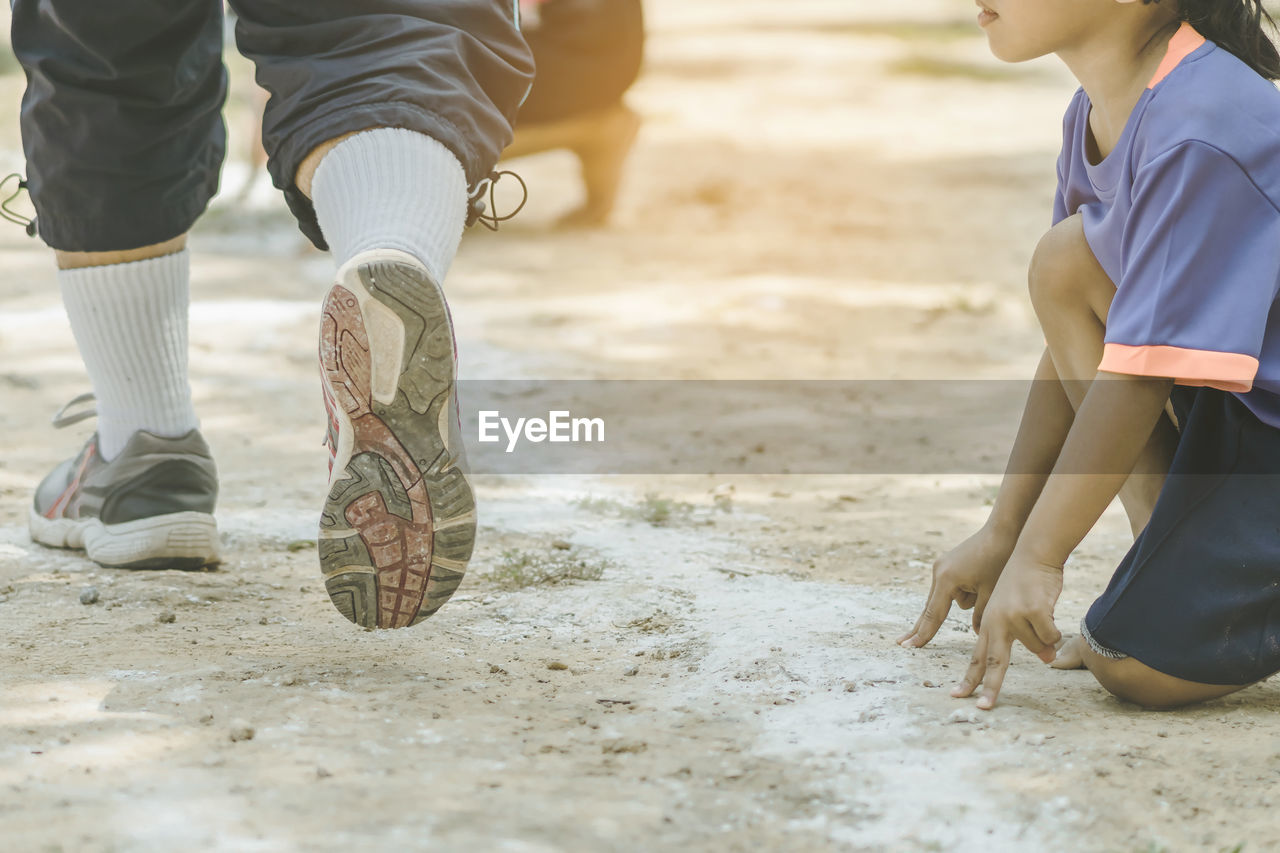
149	508
400	520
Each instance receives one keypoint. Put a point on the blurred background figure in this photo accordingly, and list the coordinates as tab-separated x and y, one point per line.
587	53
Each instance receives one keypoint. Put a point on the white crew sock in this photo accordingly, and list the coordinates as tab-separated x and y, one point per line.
392	189
130	322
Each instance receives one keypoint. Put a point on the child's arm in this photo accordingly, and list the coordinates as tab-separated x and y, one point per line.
967	574
1113	425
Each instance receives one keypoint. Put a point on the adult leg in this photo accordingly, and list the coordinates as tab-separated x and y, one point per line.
588	53
1072	295
123	137
601	140
382	114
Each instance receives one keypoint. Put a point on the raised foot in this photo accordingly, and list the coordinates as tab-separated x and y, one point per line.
399	523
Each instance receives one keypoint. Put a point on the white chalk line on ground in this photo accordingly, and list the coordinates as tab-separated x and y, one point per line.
786	648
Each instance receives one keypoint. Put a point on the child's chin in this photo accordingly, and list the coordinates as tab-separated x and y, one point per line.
1009	53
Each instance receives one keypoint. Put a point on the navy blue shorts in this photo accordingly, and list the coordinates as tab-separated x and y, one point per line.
122	115
1198	594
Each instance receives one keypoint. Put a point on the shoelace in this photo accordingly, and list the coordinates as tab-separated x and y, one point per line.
62	419
9	215
476	206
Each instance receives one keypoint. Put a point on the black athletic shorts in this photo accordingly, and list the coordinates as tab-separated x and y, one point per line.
122	116
1198	595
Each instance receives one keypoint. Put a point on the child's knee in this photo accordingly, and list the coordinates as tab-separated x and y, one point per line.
1063	267
1133	681
1124	682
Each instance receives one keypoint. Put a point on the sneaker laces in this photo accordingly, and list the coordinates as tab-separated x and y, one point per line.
476	206
10	215
63	419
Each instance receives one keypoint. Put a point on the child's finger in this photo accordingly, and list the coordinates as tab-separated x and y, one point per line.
977	667
1028	636
935	613
997	664
915	629
1042	624
984	595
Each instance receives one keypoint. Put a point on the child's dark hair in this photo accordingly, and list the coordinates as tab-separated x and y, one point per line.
1237	26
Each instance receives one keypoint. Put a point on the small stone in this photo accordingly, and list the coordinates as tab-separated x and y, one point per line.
850	686
557	665
631	670
300	545
321	773
240	730
89	595
206	718
962	715
166	617
494	669
1034	740
561	544
928	684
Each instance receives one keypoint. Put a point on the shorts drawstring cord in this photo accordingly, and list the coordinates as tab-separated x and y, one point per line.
476	206
28	224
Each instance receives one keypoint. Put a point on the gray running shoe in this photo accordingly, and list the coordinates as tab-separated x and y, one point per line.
149	508
400	519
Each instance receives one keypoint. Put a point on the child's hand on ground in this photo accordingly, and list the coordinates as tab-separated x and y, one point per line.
966	575
1021	608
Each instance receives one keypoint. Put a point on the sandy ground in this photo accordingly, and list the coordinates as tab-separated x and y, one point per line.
823	189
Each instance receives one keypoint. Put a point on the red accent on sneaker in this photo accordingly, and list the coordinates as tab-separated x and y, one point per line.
64	499
400	548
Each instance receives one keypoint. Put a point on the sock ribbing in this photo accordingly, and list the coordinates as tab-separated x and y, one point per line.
130	324
392	189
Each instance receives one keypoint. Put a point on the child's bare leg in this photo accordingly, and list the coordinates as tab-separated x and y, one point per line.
1134	681
1072	295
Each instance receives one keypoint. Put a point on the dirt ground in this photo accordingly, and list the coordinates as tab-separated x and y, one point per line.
822	189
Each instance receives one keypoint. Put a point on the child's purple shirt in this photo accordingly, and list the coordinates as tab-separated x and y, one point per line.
1184	217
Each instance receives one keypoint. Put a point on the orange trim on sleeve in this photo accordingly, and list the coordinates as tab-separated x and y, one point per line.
1227	371
1182	45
